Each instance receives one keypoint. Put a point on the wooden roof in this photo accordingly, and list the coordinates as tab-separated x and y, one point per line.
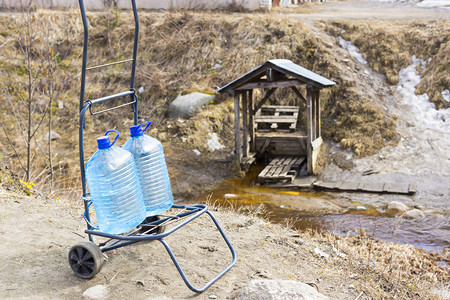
277	73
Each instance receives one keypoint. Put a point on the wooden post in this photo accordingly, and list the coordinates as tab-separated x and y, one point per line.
237	127
251	106
313	116
309	129
319	133
244	124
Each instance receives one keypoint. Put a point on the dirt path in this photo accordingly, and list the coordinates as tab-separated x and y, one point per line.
37	235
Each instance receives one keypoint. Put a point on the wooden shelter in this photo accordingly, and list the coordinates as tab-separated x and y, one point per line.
273	129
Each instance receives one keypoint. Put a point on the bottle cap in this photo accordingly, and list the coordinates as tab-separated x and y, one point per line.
103	142
136	130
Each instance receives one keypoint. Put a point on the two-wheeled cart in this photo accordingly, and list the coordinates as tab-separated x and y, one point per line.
86	258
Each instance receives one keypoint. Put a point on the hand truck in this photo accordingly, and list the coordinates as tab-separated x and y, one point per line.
86	258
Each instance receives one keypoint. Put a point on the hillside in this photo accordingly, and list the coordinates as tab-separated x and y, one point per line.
177	55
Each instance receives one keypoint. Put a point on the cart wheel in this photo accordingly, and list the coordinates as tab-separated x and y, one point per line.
85	259
157	230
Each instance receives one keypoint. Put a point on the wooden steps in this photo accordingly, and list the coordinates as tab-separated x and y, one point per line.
284	168
247	162
274	118
368	187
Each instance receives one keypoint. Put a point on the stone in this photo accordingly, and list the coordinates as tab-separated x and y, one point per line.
53	136
414	214
187	106
396	207
361	208
96	292
279	289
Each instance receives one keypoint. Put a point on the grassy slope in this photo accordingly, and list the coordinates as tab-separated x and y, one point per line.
389	48
177	54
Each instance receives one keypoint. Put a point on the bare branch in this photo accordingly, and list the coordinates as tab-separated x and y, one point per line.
14	149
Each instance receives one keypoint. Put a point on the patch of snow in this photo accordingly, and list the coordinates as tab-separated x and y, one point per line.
435	3
425	145
353	50
213	142
446	95
321	253
197	152
426	115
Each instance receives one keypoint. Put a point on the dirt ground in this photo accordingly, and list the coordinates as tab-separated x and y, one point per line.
34	261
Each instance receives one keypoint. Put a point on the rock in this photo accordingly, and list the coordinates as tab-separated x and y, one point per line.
188	105
279	289
414	214
53	136
217	66
96	292
396	207
361	208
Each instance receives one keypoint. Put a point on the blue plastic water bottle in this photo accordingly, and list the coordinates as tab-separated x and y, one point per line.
151	166
114	186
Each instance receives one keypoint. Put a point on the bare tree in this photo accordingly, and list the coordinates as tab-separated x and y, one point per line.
21	94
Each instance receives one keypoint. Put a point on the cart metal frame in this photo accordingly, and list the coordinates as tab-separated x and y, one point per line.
85	255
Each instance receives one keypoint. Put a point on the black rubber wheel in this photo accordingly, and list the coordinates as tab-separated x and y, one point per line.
157	230
85	259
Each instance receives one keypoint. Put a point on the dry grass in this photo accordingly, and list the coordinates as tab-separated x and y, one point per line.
388	270
177	55
389	48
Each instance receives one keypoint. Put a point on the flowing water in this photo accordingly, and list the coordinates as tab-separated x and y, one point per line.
337	212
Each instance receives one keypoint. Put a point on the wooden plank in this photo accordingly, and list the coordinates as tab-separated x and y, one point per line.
308	130
370	187
285	170
349	186
297	92
373	187
244	124
399	189
265	145
280	108
251	121
319	130
275	161
275	117
266	85
237	129
266	97
276	120
277	171
412	188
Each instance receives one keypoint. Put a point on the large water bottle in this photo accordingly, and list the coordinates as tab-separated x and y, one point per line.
151	166
114	187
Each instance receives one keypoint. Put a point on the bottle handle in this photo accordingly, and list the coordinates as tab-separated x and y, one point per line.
148	124
117	136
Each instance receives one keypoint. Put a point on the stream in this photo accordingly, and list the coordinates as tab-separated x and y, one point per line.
342	213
